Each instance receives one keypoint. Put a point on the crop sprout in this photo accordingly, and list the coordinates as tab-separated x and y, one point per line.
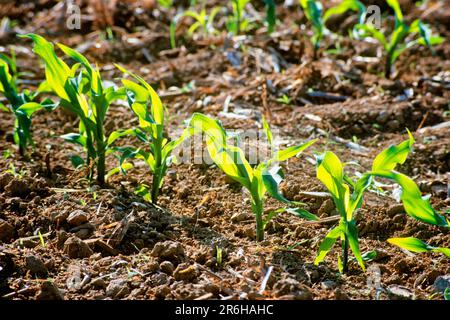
314	13
400	38
264	178
84	95
147	106
21	104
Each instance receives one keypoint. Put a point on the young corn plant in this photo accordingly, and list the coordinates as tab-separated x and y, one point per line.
21	104
147	106
314	13
400	39
259	180
203	21
237	22
348	195
84	95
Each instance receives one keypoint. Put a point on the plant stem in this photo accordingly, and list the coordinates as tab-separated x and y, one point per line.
388	67
257	207
157	173
101	153
345	255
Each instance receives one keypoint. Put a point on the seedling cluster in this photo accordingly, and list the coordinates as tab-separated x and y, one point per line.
81	91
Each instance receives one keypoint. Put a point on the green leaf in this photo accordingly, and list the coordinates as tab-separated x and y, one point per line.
271	18
157	109
267	131
327	243
272	178
388	159
445	251
415	205
29	108
345	6
410	244
144	191
56	71
370	30
123	168
290	152
397	10
76	161
352	236
75	138
302	213
331	173
4	108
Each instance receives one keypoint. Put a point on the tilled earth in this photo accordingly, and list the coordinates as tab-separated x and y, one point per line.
63	238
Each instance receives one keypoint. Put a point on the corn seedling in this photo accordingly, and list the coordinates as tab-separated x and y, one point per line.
271	17
21	104
400	39
237	22
84	95
348	195
147	106
259	180
203	21
314	13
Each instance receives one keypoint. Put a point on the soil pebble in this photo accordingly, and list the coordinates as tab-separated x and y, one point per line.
396	292
168	250
35	265
290	286
75	248
167	267
185	272
77	218
49	291
117	289
17	188
6	230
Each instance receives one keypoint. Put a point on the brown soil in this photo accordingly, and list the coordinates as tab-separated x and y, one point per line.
108	243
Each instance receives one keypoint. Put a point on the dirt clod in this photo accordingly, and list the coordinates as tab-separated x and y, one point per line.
168	250
6	230
35	265
75	248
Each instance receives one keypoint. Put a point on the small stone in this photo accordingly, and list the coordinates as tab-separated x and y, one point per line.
35	265
117	289
185	272
167	267
328	284
239	217
49	291
77	217
393	125
98	283
383	117
5	179
395	209
75	248
162	291
17	188
290	286
442	283
396	292
6	230
168	250
60	217
326	208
